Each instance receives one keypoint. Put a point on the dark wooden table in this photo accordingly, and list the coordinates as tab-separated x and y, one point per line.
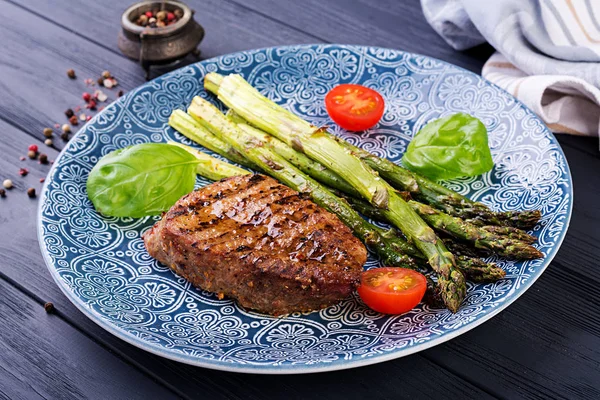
546	345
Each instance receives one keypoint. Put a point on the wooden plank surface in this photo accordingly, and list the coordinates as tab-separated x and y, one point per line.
540	347
42	357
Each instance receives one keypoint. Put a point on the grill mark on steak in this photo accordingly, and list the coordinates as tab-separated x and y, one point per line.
277	253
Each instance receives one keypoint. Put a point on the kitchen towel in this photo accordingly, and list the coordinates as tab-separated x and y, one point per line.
548	53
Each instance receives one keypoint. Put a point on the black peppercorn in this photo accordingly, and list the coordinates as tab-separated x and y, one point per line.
43	158
120	93
2	193
69	113
31	192
64	136
71	73
48	307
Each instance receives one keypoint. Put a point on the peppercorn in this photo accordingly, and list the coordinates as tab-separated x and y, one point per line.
42	180
23	171
73	120
48	132
149	14
142	20
108	83
160	24
65	136
48	307
32	154
100	81
161	15
33	147
69	113
71	73
43	158
92	105
2	193
106	74
48	142
7	184
66	128
86	96
31	192
178	13
120	93
170	16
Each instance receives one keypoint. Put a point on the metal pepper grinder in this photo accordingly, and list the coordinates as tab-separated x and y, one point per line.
153	45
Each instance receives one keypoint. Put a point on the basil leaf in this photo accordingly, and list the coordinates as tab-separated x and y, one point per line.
450	147
145	179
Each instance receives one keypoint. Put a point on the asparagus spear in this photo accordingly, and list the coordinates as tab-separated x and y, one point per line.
473	268
183	122
478	237
238	95
510	232
210	167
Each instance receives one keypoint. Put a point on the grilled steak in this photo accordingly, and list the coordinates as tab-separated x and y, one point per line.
261	243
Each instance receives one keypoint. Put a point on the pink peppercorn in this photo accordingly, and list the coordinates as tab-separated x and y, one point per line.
149	14
33	147
23	171
170	16
86	96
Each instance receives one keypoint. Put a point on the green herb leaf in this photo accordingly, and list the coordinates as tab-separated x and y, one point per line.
450	147
145	179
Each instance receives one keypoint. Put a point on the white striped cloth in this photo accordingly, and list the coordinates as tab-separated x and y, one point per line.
548	53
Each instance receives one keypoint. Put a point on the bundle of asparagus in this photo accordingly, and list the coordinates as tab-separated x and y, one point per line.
260	134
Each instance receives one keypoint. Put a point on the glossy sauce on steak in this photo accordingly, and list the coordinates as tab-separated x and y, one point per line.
261	243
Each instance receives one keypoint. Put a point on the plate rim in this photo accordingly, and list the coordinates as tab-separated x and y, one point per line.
274	369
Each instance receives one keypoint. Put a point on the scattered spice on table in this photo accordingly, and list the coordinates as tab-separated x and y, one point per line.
120	93
66	128
43	158
71	73
42	180
73	120
48	142
57	125
48	307
31	192
65	136
32	154
2	193
22	158
69	113
23	171
48	132
8	184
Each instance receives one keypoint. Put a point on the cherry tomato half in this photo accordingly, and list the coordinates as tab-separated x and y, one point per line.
354	107
392	290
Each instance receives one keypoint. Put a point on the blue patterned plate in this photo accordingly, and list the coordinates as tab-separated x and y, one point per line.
102	266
